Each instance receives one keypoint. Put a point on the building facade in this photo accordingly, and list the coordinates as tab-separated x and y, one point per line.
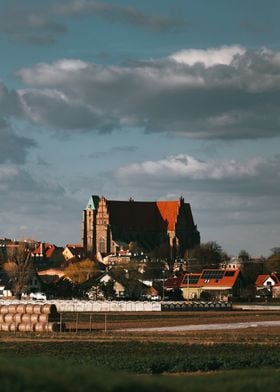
164	227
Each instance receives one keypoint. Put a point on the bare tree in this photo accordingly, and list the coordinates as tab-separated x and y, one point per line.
19	268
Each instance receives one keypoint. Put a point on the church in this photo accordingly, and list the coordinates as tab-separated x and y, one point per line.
165	228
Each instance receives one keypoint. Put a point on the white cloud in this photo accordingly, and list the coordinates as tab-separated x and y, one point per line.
255	176
234	95
208	57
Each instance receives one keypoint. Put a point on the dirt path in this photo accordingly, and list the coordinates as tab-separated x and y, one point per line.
204	327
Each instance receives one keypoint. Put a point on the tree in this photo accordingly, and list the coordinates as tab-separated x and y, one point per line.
81	271
207	255
244	255
19	268
273	262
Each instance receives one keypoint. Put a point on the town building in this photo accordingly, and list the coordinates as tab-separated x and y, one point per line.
166	228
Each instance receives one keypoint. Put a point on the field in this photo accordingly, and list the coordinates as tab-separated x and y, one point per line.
246	359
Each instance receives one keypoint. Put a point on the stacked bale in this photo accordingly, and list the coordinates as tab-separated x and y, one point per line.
29	317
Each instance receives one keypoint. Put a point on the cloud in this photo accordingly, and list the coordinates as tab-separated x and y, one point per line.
25	23
13	147
43	208
233	202
225	93
117	13
208	57
125	149
258	176
43	25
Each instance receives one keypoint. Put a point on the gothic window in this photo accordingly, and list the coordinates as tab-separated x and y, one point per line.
102	248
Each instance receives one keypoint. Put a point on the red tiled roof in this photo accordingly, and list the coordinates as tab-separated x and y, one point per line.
224	281
79	246
47	249
227	279
173	282
261	279
169	212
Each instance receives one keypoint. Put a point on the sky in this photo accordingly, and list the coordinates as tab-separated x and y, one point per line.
147	99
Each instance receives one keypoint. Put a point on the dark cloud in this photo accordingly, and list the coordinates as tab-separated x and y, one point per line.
224	93
117	13
36	207
29	24
13	147
43	25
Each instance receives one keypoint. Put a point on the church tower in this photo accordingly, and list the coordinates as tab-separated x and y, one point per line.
89	225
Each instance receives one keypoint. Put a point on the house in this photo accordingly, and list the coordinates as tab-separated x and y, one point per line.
218	284
73	252
264	285
5	286
47	255
118	287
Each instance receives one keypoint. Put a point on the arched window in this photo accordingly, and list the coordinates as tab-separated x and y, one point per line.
102	247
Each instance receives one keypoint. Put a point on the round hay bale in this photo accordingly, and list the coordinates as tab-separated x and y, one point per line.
12	308
23	327
49	308
21	308
13	327
5	327
8	317
34	318
39	327
52	327
29	308
18	317
26	318
37	309
43	318
4	309
2	318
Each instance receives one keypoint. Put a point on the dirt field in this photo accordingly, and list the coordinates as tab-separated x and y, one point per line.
112	327
119	321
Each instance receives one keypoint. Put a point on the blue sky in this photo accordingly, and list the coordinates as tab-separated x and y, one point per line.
150	100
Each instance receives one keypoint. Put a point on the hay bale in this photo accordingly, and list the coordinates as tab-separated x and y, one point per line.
12	308
39	327
21	308
4	309
8	317
49	309
23	327
29	308
34	318
37	309
6	327
43	318
18	317
52	327
26	318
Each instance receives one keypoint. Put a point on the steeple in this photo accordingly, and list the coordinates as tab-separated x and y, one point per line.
93	203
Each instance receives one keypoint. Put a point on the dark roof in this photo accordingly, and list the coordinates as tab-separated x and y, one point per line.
156	215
